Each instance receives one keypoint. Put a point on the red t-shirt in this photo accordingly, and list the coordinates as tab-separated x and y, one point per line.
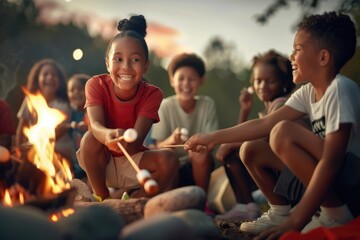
123	114
7	123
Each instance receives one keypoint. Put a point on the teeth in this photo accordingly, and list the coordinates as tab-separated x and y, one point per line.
126	77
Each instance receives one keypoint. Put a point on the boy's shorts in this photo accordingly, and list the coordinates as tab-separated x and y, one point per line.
120	173
347	183
289	186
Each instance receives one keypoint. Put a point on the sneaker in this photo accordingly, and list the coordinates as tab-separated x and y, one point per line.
267	220
238	212
321	219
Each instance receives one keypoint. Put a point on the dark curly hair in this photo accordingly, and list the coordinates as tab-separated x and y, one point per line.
282	66
333	31
33	77
189	60
82	77
134	27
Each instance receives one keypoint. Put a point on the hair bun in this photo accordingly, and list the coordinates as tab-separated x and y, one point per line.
136	23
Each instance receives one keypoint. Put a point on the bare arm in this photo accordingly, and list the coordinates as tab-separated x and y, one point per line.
109	136
174	138
249	130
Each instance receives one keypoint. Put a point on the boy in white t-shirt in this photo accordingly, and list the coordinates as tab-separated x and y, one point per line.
323	160
185	114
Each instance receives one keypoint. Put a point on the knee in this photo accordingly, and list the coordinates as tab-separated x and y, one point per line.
168	161
90	150
279	136
247	152
89	142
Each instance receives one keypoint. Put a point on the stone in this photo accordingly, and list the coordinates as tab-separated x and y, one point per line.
163	226
92	222
189	197
26	222
130	210
201	225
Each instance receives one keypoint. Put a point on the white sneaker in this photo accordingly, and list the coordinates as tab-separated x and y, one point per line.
267	220
321	220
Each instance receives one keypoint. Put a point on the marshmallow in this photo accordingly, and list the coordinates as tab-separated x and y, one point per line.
4	154
184	134
250	90
151	187
143	176
130	135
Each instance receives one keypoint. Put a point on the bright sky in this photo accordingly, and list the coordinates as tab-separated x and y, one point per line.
189	25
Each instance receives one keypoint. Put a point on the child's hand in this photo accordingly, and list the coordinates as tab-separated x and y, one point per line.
176	137
111	140
200	143
223	151
245	100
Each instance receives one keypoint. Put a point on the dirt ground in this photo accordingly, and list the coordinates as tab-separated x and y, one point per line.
230	230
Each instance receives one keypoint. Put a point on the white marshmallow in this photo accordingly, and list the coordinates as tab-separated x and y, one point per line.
184	134
130	135
184	131
250	90
142	176
151	186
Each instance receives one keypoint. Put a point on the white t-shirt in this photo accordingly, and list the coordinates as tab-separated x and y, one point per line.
203	119
340	104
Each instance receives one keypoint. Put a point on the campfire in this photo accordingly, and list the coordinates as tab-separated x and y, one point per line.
36	174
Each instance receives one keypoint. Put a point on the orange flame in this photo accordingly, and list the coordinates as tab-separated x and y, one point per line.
7	199
42	137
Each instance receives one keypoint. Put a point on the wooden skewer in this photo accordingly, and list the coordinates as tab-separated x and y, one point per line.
16	159
137	169
174	145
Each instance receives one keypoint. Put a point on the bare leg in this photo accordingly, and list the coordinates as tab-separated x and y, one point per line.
300	150
164	166
237	174
202	165
94	158
262	164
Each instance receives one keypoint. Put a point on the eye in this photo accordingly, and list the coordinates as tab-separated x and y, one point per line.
117	59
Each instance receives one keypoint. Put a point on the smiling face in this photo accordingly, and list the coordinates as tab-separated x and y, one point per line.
76	93
267	84
186	82
305	58
126	63
48	81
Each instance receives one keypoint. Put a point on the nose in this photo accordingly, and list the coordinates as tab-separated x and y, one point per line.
125	64
291	57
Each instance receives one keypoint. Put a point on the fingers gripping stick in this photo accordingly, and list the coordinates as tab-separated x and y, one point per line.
143	175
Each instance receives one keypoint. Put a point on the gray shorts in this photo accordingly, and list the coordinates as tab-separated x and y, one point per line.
347	184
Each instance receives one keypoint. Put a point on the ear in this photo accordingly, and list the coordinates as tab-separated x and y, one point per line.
325	57
171	80
107	64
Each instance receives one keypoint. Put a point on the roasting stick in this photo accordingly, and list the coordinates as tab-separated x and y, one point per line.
142	175
174	145
131	160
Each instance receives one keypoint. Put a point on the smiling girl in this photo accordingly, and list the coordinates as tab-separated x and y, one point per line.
116	102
